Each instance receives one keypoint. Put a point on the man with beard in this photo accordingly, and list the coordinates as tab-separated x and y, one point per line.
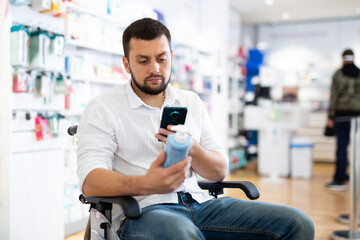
344	103
119	154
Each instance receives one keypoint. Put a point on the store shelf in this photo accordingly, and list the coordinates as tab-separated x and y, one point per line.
105	17
26	16
204	92
99	80
200	49
80	44
72	113
39	69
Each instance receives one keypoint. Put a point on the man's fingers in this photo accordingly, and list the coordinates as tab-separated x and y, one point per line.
160	159
177	167
165	131
161	137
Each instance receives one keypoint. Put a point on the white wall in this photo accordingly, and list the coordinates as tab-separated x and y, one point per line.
5	119
296	46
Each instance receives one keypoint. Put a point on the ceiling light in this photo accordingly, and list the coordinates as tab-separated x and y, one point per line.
269	2
286	16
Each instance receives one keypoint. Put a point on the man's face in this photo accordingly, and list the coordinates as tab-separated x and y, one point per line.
149	64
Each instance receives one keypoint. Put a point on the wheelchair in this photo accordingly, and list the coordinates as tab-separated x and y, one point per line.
99	225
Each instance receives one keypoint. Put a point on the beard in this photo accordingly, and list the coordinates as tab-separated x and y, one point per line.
145	88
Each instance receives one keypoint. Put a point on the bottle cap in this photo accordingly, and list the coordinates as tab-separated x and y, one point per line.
181	134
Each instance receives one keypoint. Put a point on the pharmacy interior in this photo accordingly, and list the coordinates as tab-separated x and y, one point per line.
265	86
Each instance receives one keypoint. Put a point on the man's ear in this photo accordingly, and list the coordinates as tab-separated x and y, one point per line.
126	64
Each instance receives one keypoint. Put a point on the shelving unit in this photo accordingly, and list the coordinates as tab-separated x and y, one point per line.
58	153
39	164
86	84
236	113
236	90
193	70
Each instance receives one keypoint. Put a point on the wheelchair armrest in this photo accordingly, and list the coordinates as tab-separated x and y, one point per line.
128	204
216	188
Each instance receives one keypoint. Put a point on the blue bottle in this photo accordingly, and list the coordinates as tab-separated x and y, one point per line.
177	145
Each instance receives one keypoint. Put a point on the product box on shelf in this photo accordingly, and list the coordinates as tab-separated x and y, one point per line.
19	45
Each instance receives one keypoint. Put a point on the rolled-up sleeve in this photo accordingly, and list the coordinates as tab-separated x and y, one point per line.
96	140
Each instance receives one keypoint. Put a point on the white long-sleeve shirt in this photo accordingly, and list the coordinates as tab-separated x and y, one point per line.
117	132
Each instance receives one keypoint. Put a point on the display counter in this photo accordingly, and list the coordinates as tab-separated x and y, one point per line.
276	125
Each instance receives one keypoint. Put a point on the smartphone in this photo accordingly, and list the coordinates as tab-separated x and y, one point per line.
173	116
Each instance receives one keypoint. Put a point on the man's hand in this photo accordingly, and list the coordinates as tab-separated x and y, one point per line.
330	123
163	133
207	163
164	180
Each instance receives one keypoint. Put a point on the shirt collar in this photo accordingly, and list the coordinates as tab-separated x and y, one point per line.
135	101
170	96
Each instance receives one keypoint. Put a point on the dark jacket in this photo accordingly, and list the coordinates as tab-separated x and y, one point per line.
345	92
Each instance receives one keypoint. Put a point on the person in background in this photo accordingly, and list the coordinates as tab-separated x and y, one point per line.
119	154
344	103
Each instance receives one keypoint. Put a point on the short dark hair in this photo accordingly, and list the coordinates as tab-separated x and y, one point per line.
348	52
145	29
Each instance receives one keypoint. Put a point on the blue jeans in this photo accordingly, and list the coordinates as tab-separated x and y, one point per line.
342	132
223	218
